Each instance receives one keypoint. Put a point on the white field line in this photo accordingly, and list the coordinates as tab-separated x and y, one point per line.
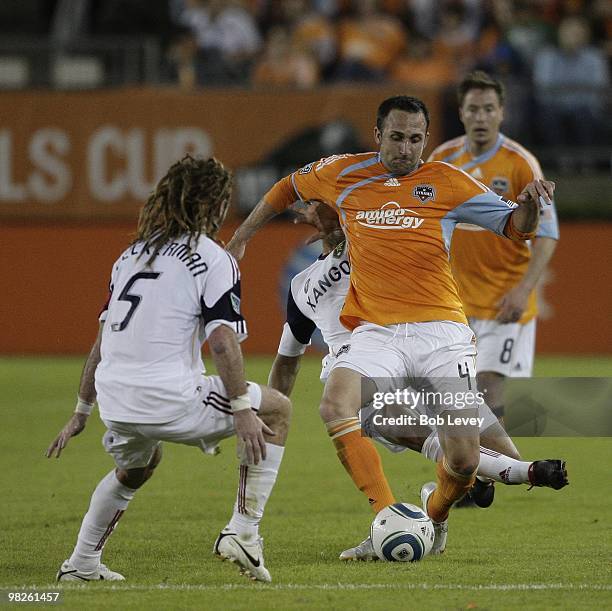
504	587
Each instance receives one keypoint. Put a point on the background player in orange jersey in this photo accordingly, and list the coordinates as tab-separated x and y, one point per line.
497	278
398	215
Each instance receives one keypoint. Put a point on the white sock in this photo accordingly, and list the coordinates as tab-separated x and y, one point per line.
502	468
492	465
108	502
254	488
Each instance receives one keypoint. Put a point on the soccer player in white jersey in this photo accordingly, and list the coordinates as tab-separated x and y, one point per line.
172	289
314	300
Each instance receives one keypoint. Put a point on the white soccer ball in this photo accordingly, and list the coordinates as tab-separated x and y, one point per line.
402	533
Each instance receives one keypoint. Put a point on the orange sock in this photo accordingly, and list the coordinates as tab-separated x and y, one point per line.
451	487
362	461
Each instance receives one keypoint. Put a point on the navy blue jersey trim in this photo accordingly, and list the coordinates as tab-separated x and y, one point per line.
301	326
225	309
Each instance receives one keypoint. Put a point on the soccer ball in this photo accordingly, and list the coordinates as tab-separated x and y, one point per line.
402	533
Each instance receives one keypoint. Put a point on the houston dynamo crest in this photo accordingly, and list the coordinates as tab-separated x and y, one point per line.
424	192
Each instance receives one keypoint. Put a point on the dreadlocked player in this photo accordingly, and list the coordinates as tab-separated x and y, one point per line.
171	290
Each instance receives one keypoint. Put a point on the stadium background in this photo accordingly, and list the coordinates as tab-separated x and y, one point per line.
97	98
100	97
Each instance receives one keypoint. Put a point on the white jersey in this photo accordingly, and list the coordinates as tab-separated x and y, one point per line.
155	322
315	298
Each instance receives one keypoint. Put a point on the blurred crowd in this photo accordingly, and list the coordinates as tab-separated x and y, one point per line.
553	55
558	50
301	43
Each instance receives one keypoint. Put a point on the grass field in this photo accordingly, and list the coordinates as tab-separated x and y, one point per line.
536	550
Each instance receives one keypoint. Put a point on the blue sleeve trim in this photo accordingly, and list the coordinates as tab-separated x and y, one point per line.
549	224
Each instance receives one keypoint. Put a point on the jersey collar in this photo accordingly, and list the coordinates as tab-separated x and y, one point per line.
485	156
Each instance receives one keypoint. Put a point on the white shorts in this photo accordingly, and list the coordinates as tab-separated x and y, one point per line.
441	353
506	349
326	366
203	425
327	363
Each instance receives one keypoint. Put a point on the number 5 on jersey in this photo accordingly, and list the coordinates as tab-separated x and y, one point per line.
134	300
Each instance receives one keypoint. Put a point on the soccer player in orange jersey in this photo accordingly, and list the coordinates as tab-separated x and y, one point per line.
496	278
398	215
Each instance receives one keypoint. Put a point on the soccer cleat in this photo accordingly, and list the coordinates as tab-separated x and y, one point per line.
247	554
481	494
551	473
364	551
68	572
467	502
440	528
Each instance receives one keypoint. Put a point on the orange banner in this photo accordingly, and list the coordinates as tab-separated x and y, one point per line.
56	276
97	155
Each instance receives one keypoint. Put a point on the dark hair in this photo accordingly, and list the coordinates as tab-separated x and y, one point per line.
480	80
191	199
400	102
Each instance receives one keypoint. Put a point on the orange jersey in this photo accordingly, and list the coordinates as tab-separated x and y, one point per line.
398	230
486	266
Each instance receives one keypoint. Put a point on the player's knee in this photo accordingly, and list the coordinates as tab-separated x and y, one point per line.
333	409
135	478
275	409
328	410
463	465
132	478
463	455
344	395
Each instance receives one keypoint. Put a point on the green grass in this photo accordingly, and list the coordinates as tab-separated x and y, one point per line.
537	550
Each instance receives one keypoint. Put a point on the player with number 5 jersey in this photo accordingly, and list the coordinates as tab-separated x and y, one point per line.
171	290
151	357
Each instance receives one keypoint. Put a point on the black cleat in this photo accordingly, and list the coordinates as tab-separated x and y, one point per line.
481	494
550	473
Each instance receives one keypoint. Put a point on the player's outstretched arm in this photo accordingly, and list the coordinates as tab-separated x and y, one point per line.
259	216
85	401
284	373
227	355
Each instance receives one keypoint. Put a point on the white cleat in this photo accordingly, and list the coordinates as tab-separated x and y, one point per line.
247	554
440	528
68	572
364	551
